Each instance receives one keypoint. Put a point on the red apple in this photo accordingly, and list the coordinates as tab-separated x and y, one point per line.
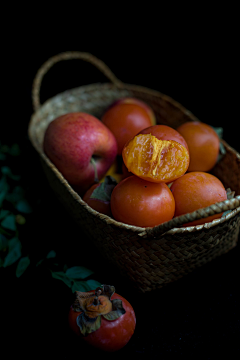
81	147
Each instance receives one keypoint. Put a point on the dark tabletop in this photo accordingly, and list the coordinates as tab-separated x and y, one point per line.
195	317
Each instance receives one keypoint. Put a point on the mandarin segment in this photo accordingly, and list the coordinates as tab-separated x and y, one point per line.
155	160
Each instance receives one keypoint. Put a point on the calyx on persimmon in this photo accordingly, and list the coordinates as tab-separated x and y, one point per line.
155	160
93	305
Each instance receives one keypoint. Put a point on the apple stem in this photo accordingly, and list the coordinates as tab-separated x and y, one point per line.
93	162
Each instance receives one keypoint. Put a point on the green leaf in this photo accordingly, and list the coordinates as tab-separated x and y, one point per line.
60	275
23	206
219	131
226	212
4	232
4	187
104	190
39	262
3	242
3	213
65	267
80	286
222	149
87	325
78	272
51	254
9	222
14	150
22	266
8	172
12	243
14	252
93	284
16	195
117	310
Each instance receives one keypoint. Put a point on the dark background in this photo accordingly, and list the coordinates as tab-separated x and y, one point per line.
194	62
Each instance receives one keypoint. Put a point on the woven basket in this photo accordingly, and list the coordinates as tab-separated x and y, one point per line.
149	257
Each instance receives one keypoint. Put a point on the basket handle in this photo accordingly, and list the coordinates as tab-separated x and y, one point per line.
68	55
195	215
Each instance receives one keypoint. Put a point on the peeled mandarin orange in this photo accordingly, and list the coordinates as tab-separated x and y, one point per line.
155	160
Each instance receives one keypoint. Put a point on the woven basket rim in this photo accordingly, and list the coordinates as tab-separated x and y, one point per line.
108	220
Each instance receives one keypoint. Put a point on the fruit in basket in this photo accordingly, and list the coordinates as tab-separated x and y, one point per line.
196	190
138	202
98	196
102	318
114	171
81	147
164	132
155	160
125	172
203	143
126	117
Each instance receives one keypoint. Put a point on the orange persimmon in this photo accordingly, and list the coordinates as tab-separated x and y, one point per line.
203	144
164	132
102	206
126	117
196	190
155	160
138	202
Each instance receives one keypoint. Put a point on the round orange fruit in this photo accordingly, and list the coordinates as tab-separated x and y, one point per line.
196	190
203	143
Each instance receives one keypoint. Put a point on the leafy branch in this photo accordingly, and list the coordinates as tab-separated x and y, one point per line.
77	278
14	212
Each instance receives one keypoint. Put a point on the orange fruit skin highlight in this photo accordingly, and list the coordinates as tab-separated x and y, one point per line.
196	190
138	202
203	143
164	132
126	117
155	160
